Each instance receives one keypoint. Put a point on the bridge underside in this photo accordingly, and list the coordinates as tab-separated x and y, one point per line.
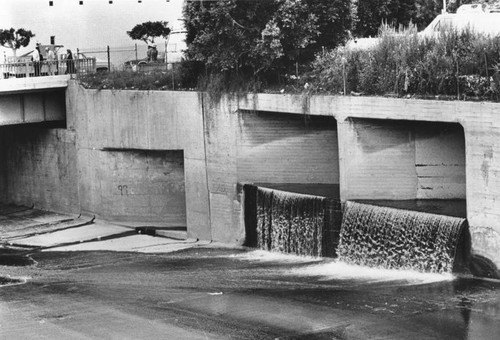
32	107
33	100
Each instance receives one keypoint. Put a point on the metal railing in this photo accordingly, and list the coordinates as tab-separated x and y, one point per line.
30	69
125	57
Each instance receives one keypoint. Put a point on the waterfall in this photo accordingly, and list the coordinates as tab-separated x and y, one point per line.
394	238
290	222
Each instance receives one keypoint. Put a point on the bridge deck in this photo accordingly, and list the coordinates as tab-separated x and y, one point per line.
33	99
33	84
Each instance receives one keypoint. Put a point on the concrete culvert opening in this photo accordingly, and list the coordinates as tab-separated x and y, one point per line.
412	165
416	167
290	167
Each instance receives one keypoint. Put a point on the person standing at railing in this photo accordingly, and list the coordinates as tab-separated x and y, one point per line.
149	52
36	58
70	63
154	53
50	61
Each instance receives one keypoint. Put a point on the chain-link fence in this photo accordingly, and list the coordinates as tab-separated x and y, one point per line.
119	58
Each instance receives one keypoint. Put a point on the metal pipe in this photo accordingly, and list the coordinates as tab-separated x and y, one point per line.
109	60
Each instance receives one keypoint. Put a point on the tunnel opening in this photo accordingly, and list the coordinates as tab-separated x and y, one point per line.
38	166
413	165
415	169
411	175
289	167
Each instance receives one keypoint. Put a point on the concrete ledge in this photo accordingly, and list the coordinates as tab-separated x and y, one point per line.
175	234
16	85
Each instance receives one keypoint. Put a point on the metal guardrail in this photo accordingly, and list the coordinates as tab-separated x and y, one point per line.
47	68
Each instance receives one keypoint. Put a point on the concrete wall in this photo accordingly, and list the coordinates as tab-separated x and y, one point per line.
262	147
113	128
287	148
481	124
217	141
440	161
142	186
39	167
221	131
379	160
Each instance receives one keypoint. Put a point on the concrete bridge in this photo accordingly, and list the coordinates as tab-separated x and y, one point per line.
178	159
33	99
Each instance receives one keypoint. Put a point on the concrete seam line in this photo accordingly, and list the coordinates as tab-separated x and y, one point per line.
206	164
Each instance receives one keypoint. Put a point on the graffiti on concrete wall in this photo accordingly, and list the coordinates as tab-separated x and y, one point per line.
123	190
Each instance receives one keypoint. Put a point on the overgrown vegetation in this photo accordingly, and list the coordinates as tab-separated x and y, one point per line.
157	80
260	41
369	14
241	46
452	63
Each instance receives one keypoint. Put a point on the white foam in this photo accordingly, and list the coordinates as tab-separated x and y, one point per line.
336	270
329	270
267	256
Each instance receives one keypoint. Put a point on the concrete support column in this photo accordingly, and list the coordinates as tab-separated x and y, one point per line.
221	131
483	188
347	142
197	204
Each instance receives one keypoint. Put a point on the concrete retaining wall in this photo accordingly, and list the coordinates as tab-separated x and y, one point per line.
287	148
142	186
135	152
481	124
403	158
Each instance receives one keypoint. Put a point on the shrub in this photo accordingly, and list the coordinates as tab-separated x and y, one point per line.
402	62
129	80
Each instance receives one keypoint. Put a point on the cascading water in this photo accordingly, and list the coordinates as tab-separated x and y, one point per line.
394	238
290	222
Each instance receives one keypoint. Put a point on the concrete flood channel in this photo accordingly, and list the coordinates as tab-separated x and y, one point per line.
239	294
245	293
216	293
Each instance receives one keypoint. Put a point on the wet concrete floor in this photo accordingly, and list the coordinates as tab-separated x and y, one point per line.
209	293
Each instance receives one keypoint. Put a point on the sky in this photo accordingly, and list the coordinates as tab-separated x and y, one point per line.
91	26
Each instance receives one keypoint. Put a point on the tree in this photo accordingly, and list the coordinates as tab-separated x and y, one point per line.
15	39
150	30
255	36
426	11
372	13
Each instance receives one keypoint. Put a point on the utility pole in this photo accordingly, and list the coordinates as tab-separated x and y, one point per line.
444	7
